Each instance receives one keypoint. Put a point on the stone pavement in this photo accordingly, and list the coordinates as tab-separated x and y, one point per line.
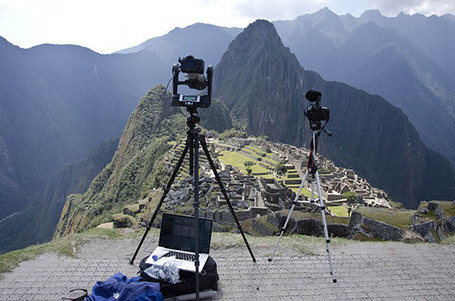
365	271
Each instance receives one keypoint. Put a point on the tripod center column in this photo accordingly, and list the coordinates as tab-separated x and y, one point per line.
196	207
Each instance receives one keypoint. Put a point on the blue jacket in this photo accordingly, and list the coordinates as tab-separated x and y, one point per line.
120	288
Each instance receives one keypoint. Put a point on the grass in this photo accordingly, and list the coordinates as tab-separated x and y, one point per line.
306	192
317	216
238	160
257	150
339	210
447	207
363	238
66	246
450	240
400	218
302	244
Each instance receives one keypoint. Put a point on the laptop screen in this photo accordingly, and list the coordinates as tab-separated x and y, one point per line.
177	232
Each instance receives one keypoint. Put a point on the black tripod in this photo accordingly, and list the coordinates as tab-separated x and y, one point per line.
192	144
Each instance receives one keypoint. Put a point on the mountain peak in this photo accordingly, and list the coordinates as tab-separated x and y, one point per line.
258	44
325	12
262	22
257	39
372	15
262	26
5	44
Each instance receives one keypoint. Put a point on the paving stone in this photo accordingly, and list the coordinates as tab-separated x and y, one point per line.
365	271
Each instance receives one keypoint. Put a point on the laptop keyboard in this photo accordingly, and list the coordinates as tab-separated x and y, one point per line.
182	256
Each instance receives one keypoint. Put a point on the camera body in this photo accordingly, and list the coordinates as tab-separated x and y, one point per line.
189	64
194	70
315	112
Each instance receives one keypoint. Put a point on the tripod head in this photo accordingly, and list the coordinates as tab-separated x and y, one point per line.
193	120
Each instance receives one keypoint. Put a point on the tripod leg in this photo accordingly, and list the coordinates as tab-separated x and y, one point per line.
166	191
284	228
223	190
324	221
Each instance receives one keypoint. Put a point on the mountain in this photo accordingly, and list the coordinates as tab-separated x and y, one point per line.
408	60
200	40
136	167
262	84
59	101
253	80
56	103
37	222
430	34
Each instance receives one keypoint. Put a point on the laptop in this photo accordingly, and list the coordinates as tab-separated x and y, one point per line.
177	243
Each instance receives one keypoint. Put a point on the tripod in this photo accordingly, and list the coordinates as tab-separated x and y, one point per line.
192	144
312	169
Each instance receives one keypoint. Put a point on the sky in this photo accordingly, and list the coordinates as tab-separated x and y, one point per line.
106	26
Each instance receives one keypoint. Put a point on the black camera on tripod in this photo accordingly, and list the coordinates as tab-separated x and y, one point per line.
315	113
194	70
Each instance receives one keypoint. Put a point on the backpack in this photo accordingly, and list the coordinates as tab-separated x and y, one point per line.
119	287
208	279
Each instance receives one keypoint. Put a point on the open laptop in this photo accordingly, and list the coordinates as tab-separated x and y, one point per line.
176	243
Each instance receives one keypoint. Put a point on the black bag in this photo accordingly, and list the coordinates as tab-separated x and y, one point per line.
208	279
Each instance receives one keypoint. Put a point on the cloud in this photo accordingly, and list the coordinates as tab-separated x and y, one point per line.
425	7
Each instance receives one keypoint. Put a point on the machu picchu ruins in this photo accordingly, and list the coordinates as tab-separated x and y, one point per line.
262	179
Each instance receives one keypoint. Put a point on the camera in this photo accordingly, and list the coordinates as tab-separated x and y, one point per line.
315	113
190	64
194	72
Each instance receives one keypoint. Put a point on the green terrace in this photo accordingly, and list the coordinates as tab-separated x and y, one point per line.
264	165
400	218
236	159
339	210
174	155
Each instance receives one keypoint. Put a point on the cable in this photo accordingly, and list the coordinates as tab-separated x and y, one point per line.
168	83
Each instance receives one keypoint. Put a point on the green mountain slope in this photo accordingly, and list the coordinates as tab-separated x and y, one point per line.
136	166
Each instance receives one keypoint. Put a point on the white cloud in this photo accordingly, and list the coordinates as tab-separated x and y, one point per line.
425	7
